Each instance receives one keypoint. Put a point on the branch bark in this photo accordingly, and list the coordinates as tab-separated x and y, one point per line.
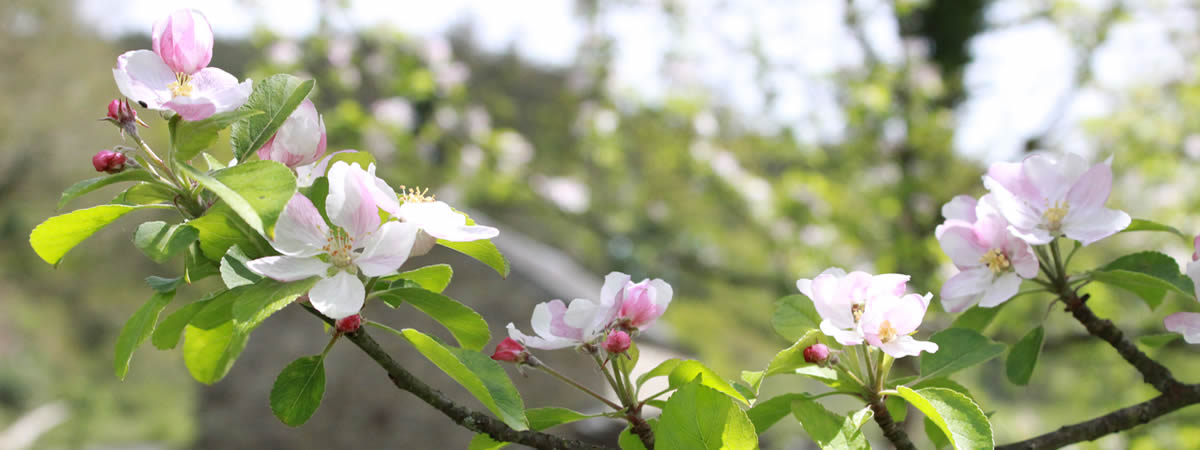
472	420
892	430
1153	373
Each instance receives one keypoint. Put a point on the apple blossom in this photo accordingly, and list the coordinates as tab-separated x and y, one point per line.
617	342
640	303
840	299
889	321
510	350
436	220
557	325
300	140
1185	323
1046	196
357	242
992	261
173	76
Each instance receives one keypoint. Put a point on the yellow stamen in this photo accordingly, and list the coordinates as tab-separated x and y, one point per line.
857	310
996	261
1055	214
181	87
415	195
887	333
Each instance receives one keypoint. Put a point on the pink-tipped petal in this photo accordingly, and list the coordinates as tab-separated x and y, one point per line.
341	295
213	91
1185	323
184	40
1093	224
143	77
960	243
349	203
288	268
1092	189
387	249
300	231
961	207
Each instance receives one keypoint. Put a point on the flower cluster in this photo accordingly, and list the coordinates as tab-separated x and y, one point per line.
991	240
858	307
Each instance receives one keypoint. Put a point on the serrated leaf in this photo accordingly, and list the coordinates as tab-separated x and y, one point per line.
689	370
276	97
828	429
1148	274
768	412
1146	225
137	329
661	370
794	316
190	138
163	284
196	266
160	241
212	162
467	326
479	374
298	390
958	348
52	239
89	185
957	416
433	278
697	417
257	191
1024	356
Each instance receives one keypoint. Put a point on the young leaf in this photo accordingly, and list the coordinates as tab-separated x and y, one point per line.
234	271
137	329
1146	225
298	390
220	228
167	335
830	430
160	241
661	370
209	354
697	417
956	415
935	435
92	184
629	441
276	96
196	266
958	349
1158	340
467	326
687	372
257	191
768	412
433	278
1148	274
145	194
792	358
190	138
59	234
978	318
1023	356
479	374
483	251
254	303
794	316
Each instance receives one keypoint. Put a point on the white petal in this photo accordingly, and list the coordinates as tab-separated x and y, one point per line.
614	282
288	268
662	294
537	341
961	207
844	337
1193	272
581	313
960	304
142	76
338	296
1017	210
1088	225
907	346
300	231
805	287
1045	173
1002	289
441	221
1185	323
1092	188
960	243
385	250
349	203
968	283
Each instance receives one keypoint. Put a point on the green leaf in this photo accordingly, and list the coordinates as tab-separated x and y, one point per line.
1024	356
483	251
945	383
257	191
220	229
92	184
539	419
828	429
298	390
794	316
212	162
687	372
163	284
661	370
209	354
896	407
160	241
234	271
479	374
254	303
137	329
190	138
59	234
167	335
196	266
145	194
467	326
1148	274
792	358
1157	340
1146	225
698	417
935	435
433	278
957	416
832	378
276	96
629	441
768	412
977	319
958	349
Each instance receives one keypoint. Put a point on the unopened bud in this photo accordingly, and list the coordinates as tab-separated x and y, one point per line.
1196	245
617	341
108	161
816	354
349	324
510	350
121	114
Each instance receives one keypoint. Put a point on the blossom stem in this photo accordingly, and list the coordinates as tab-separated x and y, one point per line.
329	346
154	158
574	384
1059	267
871	375
620	390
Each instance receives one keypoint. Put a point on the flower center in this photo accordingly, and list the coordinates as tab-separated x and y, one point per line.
857	309
887	333
340	248
415	195
1055	214
181	87
996	261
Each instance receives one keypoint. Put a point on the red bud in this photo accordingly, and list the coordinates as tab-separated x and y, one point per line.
108	161
349	324
816	353
617	341
511	351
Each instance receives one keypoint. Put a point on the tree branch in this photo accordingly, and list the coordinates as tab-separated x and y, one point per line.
1153	373
1120	420
472	420
892	430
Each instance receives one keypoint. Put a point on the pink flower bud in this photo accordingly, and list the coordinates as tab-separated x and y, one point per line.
121	114
300	140
349	324
184	40
511	351
617	341
108	161
643	303
816	354
1196	245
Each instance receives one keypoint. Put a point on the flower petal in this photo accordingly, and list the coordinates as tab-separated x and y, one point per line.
1002	289
961	207
385	250
1093	224
614	283
339	296
907	346
300	230
142	76
844	337
288	268
213	91
442	222
960	243
967	283
1185	323
349	203
1091	190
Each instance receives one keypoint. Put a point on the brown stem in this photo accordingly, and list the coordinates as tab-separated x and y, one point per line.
642	429
472	420
1153	373
892	430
